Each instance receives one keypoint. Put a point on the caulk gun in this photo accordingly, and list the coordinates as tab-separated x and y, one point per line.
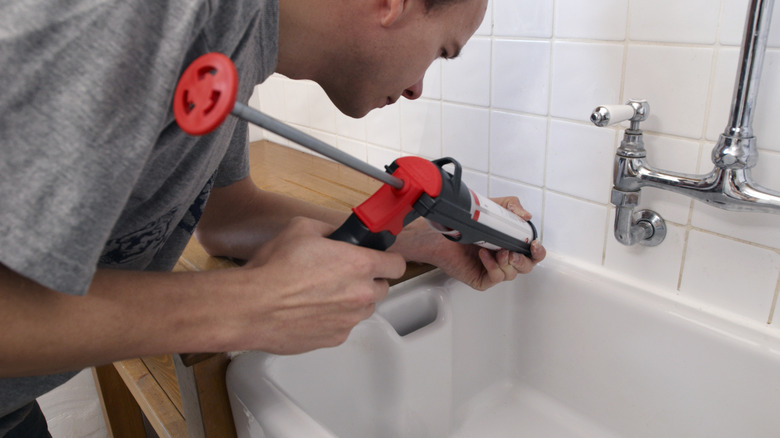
414	186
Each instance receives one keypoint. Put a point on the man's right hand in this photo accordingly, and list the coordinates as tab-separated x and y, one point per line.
305	291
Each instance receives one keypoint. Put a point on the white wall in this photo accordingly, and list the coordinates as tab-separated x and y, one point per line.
514	111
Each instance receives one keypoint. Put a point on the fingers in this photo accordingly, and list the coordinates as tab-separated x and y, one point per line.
504	265
513	204
517	208
388	265
538	253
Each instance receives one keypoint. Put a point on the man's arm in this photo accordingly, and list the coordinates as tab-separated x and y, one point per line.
299	292
240	217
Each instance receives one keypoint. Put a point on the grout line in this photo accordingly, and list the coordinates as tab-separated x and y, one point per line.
774	302
607	236
683	257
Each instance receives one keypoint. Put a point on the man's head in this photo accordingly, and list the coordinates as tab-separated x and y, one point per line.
368	53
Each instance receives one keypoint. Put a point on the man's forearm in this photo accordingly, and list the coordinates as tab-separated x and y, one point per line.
241	217
124	314
298	292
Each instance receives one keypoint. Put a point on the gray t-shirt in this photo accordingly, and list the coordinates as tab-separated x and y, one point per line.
94	170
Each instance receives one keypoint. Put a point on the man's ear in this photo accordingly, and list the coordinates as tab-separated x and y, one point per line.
392	11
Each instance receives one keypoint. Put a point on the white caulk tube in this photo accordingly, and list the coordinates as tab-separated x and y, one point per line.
490	214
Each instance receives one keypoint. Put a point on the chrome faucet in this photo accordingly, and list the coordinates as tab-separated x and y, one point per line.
729	185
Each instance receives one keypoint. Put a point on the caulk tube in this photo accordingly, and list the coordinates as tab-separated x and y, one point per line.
465	216
489	213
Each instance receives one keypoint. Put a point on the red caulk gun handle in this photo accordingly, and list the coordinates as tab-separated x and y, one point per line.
376	222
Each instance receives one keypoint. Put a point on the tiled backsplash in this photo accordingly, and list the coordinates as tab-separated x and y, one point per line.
514	111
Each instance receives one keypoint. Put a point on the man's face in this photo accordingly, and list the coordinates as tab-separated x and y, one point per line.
375	72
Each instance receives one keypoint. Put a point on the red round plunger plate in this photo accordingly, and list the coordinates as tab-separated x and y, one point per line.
206	94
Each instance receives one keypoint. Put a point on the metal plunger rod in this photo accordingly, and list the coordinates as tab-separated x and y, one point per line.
266	122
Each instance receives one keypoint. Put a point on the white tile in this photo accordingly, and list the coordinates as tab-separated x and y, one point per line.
674	80
574	228
521	75
528	18
732	21
760	228
531	198
353	147
584	76
271	97
466	79
476	181
322	112
734	276
774	31
381	157
296	95
674	155
603	20
517	147
722	91
255	132
690	21
658	265
465	133
432	81
766	171
767	113
350	127
383	127
580	160
421	128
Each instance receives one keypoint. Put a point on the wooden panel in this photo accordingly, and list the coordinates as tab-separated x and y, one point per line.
121	412
213	396
166	420
162	370
285	170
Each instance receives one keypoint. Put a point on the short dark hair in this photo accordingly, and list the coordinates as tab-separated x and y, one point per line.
434	4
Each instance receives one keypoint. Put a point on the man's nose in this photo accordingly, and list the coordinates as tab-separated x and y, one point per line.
414	91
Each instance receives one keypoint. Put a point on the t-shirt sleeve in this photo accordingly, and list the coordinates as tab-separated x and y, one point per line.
235	165
86	88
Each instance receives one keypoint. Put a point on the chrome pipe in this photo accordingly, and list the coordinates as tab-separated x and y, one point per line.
736	147
729	185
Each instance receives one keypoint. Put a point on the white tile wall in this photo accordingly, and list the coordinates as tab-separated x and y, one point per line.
468	80
521	75
675	21
514	111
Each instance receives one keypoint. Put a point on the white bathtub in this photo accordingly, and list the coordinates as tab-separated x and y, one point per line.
563	352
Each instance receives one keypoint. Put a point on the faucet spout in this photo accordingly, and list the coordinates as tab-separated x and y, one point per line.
728	189
741	193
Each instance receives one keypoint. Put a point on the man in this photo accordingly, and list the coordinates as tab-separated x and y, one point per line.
100	190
